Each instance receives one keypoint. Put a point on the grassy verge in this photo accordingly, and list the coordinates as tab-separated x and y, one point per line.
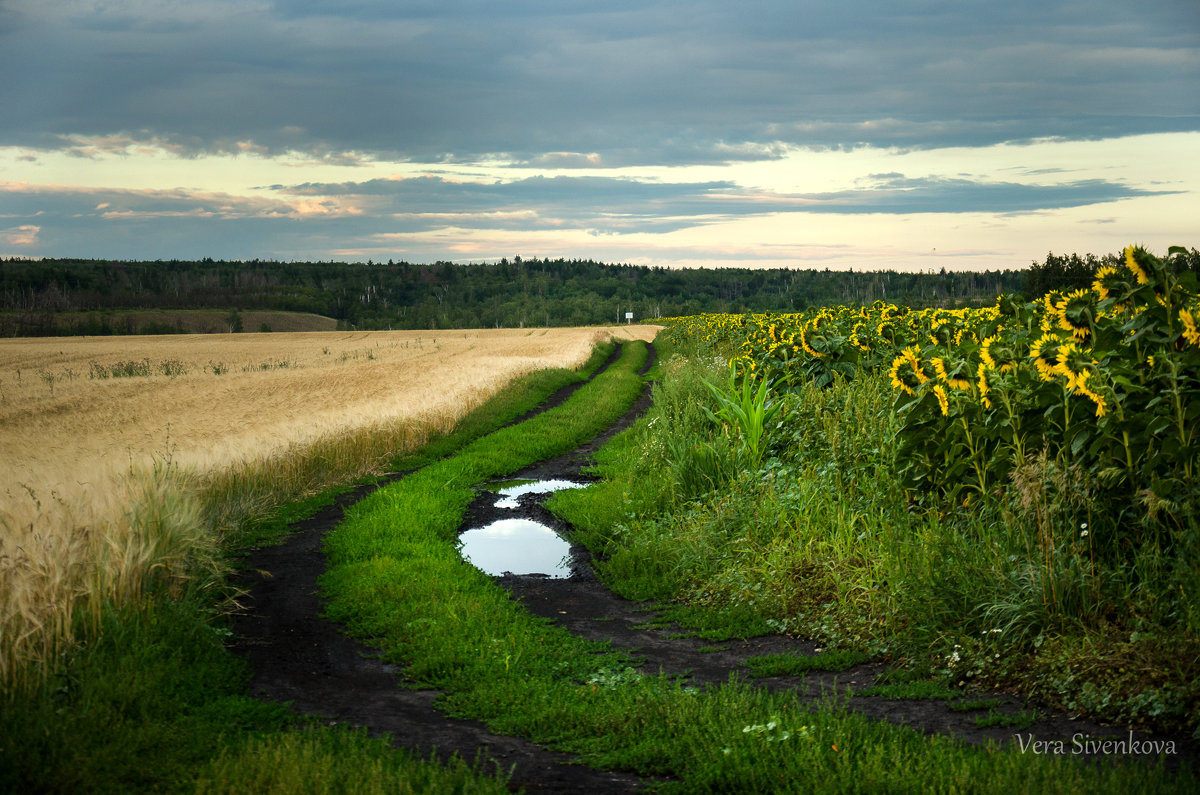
156	703
147	697
397	579
796	664
818	538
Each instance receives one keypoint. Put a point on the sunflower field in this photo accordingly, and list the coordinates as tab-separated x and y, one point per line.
1004	493
1101	383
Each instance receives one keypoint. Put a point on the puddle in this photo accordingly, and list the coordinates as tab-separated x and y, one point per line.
517	546
511	494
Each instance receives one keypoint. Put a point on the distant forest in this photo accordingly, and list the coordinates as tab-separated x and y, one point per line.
53	297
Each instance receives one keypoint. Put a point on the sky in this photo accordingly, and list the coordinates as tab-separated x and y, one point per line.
865	134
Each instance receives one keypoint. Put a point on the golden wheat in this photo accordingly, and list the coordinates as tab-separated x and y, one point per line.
123	458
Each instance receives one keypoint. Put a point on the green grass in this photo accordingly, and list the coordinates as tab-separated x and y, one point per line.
1017	720
821	541
396	579
798	664
154	702
343	761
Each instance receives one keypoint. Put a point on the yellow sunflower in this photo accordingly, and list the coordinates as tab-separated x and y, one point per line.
1133	265
1073	311
983	386
858	338
906	372
1187	316
897	381
942	399
808	348
1046	353
1081	387
996	357
1104	283
939	369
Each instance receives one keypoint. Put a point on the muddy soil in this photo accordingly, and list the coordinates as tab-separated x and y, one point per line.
297	656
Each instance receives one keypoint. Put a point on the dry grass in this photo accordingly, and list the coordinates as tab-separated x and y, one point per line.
115	485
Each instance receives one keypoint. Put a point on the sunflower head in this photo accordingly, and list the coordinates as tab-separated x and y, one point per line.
1083	389
1110	280
1050	309
942	399
907	372
859	338
984	387
1075	365
1131	262
951	375
808	348
901	379
1047	353
1075	312
942	333
1188	316
997	354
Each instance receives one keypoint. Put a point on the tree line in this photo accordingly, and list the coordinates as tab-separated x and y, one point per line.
47	297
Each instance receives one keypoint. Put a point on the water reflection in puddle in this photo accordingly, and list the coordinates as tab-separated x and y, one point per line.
517	546
510	495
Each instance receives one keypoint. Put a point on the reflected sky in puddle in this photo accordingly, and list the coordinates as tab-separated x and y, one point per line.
517	546
510	495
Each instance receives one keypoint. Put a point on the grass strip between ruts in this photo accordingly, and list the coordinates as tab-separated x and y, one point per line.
397	579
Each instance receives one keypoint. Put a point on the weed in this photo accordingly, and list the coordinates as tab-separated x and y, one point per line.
921	689
974	705
748	409
615	677
1019	720
796	664
126	369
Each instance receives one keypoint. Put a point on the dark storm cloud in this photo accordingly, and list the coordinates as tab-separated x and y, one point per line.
600	201
297	220
660	82
894	193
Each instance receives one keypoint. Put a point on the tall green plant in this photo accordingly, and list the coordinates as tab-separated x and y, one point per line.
747	408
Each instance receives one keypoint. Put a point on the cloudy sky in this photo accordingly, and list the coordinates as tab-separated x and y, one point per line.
815	133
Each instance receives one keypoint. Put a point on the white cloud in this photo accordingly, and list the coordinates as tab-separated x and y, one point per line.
24	235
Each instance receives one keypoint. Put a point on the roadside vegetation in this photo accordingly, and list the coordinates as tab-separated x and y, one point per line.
396	579
113	670
1004	496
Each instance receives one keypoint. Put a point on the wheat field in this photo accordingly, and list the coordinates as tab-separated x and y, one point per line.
104	440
